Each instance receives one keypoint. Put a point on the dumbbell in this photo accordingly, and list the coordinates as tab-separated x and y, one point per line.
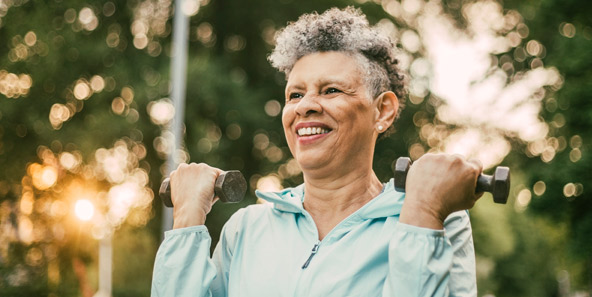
497	184
230	187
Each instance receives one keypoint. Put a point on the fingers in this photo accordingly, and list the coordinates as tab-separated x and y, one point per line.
192	193
477	170
195	167
477	165
456	175
474	168
194	179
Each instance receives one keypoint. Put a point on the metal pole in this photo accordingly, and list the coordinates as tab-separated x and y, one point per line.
105	266
178	84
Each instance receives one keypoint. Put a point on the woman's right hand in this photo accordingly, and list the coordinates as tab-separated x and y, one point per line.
192	193
438	185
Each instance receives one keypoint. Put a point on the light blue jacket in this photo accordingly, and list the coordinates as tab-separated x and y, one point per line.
273	250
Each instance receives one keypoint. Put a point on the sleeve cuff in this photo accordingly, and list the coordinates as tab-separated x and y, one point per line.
419	230
186	230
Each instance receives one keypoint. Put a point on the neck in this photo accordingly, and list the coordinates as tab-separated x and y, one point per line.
331	199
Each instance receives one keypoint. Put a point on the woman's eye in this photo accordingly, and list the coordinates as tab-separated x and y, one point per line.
332	90
295	96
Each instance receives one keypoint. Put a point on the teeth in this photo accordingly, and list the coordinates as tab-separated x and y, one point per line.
312	131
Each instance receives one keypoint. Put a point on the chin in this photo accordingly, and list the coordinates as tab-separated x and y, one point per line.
308	163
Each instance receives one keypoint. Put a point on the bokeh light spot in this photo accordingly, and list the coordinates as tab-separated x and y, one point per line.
204	145
233	131
534	48
44	177
161	112
26	203
261	141
575	155
25	229
82	90
235	43
274	154
569	190
84	209
127	94
270	183
567	29
575	141
97	83
88	19
13	85
30	38
523	199
539	188
273	108
190	7
68	160
109	9
118	105
410	41
140	41
70	15
205	33
58	114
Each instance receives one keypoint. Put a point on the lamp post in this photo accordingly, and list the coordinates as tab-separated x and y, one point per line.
105	266
178	83
84	211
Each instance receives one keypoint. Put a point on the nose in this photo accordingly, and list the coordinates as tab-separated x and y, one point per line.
308	105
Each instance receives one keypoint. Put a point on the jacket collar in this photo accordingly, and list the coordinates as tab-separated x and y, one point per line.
386	204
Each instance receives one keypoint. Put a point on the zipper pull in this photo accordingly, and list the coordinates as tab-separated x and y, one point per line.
315	249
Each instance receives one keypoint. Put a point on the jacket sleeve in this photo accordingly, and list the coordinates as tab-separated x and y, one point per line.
426	262
183	266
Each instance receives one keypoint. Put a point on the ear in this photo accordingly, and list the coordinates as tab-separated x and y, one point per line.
387	106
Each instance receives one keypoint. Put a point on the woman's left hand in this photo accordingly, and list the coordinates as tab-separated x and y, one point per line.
438	185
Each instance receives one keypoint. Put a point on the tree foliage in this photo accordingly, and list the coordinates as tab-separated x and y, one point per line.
84	111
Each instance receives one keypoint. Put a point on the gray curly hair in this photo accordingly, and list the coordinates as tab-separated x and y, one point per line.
346	31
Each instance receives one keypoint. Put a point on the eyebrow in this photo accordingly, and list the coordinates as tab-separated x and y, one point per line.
329	81
323	82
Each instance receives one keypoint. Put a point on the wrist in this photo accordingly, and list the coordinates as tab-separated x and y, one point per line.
420	214
183	220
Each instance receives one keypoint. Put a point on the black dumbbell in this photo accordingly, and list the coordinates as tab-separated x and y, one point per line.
497	184
230	187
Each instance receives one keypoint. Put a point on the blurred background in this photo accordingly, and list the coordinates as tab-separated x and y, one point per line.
85	111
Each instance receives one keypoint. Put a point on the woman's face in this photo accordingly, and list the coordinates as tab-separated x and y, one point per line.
329	119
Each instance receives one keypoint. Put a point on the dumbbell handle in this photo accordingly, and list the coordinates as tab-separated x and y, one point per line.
484	183
230	187
498	184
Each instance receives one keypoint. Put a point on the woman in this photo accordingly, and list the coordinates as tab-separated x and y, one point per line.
342	232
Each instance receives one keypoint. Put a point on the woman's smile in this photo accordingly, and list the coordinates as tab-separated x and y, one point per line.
310	132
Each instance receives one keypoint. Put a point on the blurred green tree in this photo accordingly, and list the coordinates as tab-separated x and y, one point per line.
561	186
83	89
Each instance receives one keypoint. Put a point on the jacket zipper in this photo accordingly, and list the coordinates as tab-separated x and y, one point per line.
314	251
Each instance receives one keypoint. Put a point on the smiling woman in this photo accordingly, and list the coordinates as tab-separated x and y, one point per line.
326	92
343	232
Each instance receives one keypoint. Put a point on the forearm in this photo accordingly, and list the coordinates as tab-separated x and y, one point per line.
427	262
420	260
183	266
